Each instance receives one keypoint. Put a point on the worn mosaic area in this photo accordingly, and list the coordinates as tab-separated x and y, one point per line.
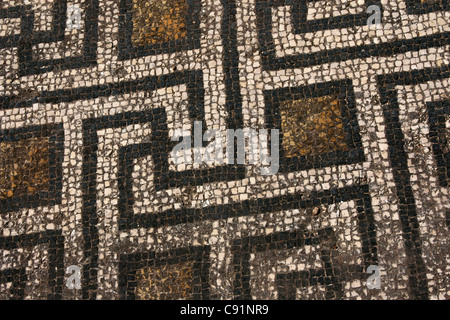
92	91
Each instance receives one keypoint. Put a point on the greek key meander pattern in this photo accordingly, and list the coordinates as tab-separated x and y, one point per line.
91	93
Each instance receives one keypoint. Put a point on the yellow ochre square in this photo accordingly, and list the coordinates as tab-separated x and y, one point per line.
24	167
167	282
158	21
312	126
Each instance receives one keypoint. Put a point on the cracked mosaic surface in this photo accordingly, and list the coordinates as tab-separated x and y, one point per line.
312	126
91	92
167	282
158	21
24	168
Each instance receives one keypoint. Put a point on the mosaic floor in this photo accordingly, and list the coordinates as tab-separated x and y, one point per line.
93	206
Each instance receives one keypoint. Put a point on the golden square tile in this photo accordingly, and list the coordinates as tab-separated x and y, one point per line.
167	282
158	21
24	167
312	126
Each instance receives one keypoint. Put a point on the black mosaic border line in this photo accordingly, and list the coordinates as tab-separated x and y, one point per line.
130	263
231	65
418	284
18	278
154	116
270	62
242	248
344	92
128	51
418	7
27	38
192	78
52	196
436	122
55	241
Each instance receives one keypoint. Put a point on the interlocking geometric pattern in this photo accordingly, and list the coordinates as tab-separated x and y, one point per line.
41	48
92	93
